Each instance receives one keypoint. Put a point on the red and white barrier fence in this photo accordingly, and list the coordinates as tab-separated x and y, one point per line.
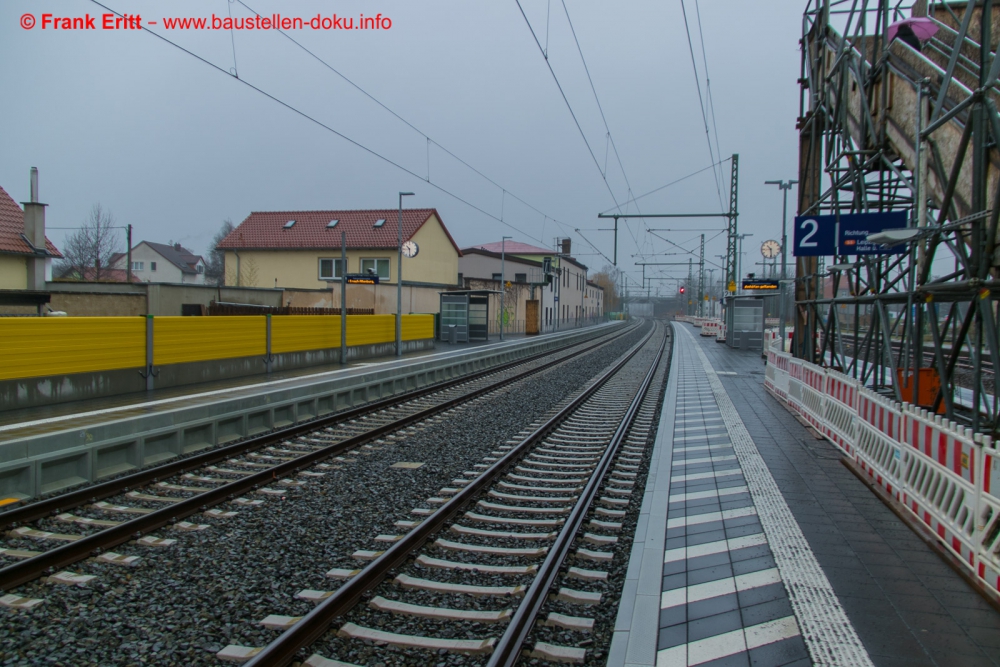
943	474
711	328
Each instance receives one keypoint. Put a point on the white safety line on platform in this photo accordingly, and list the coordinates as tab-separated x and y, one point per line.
828	633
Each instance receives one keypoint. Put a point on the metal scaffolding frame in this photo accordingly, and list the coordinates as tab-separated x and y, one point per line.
882	127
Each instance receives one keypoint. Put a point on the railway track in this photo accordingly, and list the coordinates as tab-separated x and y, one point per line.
94	520
473	572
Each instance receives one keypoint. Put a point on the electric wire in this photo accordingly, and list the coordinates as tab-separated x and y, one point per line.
413	127
701	102
708	91
323	125
683	178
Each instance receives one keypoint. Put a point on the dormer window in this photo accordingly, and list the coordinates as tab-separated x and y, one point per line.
289	224
332	224
379	222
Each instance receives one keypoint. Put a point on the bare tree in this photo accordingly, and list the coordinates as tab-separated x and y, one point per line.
90	251
608	279
215	271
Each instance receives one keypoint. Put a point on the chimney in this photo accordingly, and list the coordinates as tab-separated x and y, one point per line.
566	243
177	247
34	232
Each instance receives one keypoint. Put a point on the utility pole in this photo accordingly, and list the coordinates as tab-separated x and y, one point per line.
689	281
343	297
128	260
701	278
785	186
399	276
503	284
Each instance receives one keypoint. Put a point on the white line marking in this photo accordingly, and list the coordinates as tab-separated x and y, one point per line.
828	633
706	475
711	493
680	463
714	589
708	517
710	548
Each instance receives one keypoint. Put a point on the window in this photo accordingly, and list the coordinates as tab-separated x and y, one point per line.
201	267
379	266
379	222
289	224
137	266
497	277
460	279
330	269
520	277
152	267
332	224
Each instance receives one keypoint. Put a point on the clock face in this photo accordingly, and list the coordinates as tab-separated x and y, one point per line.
410	249
770	249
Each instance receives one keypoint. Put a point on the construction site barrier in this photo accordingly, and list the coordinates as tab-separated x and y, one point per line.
946	476
42	347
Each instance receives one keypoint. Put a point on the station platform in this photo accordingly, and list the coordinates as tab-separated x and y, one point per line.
41	420
757	546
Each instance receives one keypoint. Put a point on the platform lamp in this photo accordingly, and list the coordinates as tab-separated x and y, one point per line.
503	291
784	186
399	276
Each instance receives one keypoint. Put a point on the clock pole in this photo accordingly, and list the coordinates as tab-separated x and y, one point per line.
399	276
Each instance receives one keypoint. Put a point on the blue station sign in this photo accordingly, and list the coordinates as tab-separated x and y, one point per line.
817	235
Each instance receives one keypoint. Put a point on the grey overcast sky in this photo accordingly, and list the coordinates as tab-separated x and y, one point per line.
174	146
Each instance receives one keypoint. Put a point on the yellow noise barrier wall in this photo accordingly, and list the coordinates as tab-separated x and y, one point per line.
36	347
416	327
178	340
297	333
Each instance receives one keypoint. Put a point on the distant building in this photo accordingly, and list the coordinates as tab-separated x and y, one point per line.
162	263
25	253
301	249
562	299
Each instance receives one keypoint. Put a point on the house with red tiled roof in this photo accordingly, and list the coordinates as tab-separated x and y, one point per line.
25	253
302	250
163	263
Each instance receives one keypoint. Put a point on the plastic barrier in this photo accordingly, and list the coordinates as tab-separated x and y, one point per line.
178	340
711	328
299	333
947	477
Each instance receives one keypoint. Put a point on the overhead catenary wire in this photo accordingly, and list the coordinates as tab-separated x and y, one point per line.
708	91
323	125
430	140
701	102
675	182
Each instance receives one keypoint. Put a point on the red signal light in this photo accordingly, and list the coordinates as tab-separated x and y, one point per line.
682	290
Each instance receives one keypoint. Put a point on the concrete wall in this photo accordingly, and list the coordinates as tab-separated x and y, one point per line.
168	299
98	304
416	298
13	272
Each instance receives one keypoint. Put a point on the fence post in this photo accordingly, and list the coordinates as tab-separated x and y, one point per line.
268	360
149	353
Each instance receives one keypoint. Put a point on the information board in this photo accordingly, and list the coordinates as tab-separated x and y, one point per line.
361	279
817	235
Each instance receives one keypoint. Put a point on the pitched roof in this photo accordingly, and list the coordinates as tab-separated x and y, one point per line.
12	229
181	257
515	248
268	230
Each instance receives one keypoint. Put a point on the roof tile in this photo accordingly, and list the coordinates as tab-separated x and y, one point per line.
12	226
265	230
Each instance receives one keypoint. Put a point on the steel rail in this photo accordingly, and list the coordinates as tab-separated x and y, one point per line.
92	493
30	569
507	652
315	624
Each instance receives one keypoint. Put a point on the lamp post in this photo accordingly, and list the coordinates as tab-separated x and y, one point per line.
503	289
399	276
785	186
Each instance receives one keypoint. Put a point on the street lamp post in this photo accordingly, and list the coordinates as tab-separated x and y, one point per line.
399	276
785	186
503	289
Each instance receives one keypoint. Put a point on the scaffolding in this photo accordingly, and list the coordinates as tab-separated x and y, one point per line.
904	125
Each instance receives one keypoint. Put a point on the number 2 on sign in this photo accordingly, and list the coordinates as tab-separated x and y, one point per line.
806	243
